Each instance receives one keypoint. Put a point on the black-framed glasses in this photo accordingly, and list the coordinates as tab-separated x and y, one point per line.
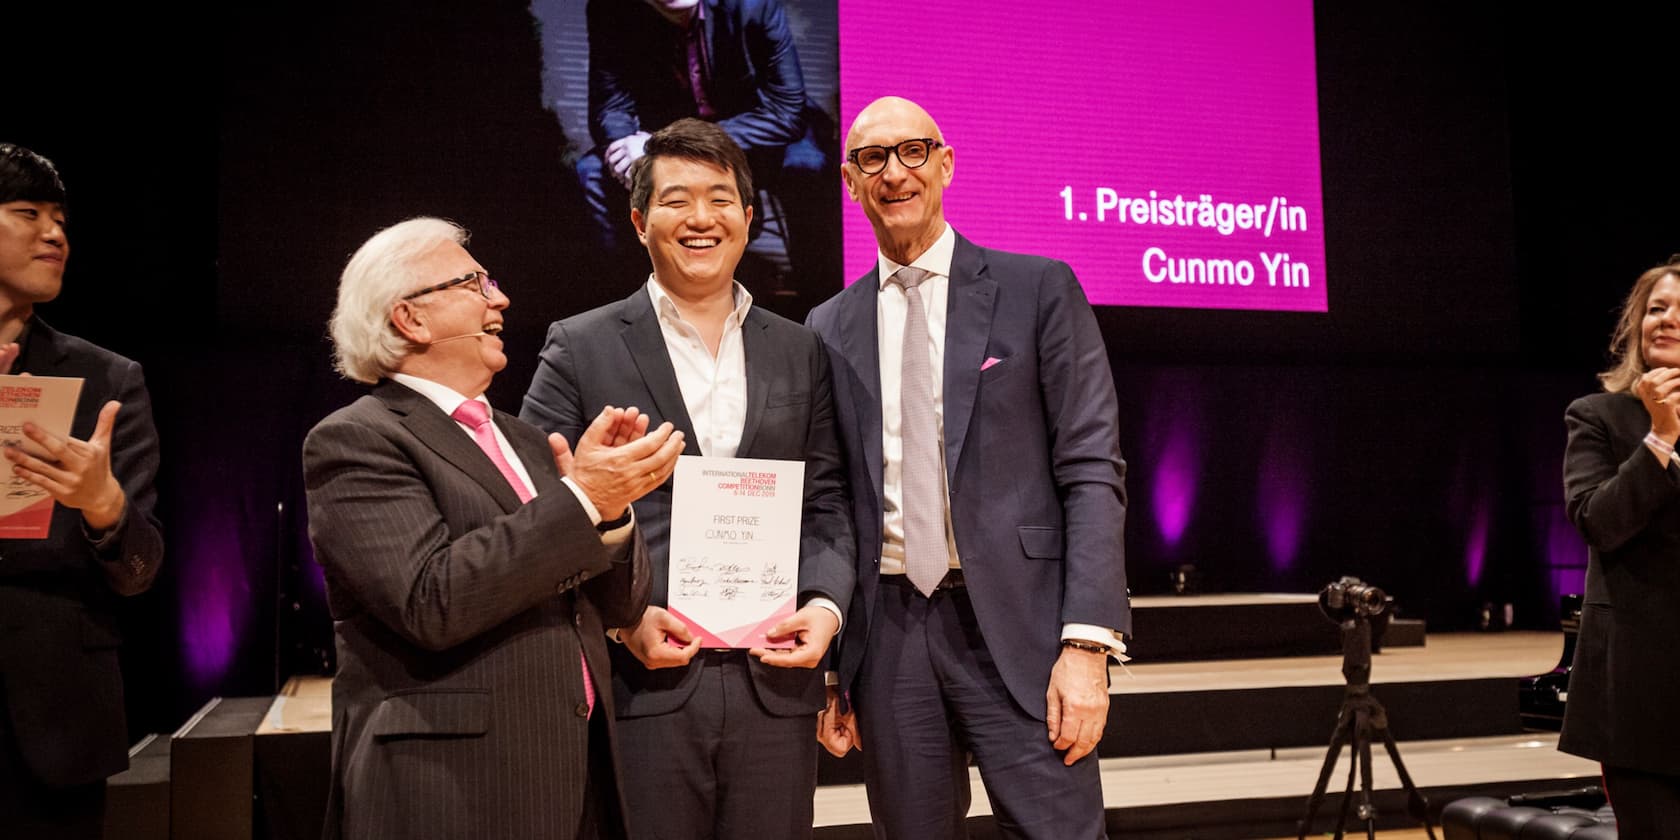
911	153
486	286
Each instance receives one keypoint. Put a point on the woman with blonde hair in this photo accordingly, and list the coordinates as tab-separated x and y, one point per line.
1622	490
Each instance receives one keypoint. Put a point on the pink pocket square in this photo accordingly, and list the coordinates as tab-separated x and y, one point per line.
990	360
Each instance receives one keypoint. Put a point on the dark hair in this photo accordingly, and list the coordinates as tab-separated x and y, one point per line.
26	176
1625	343
689	139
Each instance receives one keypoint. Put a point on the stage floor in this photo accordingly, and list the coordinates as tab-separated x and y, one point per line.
1223	794
1215	779
1237	793
1446	656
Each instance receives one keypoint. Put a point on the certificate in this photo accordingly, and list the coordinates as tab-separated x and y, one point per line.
734	570
49	402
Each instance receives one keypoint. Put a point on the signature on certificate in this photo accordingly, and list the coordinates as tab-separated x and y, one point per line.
692	586
771	576
694	564
20	488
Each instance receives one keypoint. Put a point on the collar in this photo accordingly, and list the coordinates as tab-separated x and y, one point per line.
443	396
935	260
666	308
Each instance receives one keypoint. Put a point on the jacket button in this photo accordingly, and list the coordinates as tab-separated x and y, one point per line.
582	710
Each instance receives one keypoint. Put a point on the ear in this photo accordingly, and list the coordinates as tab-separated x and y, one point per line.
846	177
947	165
640	223
410	322
749	214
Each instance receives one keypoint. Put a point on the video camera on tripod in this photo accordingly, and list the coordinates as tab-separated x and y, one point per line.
1352	598
1363	612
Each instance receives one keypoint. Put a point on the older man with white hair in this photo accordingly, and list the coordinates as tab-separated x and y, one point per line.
471	565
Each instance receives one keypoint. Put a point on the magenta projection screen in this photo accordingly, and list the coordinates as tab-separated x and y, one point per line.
1168	151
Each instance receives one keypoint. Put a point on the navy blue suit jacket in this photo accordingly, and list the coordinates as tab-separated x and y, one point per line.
638	80
1032	456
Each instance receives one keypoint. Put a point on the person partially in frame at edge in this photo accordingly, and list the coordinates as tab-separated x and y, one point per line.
1622	492
62	724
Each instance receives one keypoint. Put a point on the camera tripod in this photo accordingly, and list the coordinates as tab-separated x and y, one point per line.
1361	715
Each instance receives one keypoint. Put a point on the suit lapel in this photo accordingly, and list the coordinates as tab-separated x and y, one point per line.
859	344
755	345
42	348
646	344
968	325
445	437
531	446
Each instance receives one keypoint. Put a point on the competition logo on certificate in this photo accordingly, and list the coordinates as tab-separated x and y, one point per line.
735	548
49	402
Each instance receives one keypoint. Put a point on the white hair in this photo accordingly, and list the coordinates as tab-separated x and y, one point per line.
366	347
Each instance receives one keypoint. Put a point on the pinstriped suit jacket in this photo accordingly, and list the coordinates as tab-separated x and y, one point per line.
460	614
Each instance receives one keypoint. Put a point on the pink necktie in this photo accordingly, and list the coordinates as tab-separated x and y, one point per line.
476	416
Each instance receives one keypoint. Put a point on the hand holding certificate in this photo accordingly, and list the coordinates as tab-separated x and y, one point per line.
734	573
807	632
45	405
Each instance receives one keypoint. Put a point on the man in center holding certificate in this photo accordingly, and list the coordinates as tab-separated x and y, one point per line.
717	741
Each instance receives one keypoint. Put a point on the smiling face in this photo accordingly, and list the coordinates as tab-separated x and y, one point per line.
445	324
695	227
33	250
905	206
1659	329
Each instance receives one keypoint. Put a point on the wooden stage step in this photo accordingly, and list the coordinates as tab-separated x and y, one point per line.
1177	628
1262	793
1459	685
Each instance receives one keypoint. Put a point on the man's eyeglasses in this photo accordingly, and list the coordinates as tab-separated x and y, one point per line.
911	153
485	285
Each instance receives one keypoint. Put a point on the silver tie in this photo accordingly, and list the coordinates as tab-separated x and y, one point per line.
925	556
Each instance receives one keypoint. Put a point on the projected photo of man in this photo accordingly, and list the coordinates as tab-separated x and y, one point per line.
732	62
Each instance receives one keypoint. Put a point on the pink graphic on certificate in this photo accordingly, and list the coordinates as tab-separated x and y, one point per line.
50	403
734	567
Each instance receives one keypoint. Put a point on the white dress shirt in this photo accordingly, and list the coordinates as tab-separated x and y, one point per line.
891	307
714	388
447	400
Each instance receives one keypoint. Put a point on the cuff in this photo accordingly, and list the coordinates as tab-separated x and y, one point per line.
618	531
588	506
1097	635
106	539
827	604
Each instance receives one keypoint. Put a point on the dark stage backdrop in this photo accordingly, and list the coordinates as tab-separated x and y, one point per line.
1489	193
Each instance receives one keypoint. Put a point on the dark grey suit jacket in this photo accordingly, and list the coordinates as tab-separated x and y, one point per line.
1032	457
60	683
1625	684
615	355
458	709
